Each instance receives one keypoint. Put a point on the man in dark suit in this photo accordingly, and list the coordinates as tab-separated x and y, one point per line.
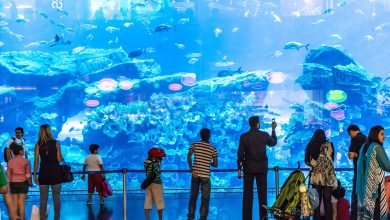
252	155
357	140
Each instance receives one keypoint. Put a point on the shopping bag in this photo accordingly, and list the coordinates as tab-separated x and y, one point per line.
106	189
35	212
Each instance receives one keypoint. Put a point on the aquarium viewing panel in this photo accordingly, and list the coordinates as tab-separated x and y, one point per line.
131	75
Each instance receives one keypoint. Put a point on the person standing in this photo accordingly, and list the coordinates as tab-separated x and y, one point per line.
252	155
19	140
357	141
205	155
19	175
48	153
370	182
319	155
94	163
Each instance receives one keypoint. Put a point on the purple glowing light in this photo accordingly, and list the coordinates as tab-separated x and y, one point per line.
338	115
175	87
331	105
188	79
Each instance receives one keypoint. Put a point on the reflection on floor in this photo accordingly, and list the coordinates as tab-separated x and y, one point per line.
223	206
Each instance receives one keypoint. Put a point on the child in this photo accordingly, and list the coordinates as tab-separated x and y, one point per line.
19	175
94	163
342	205
154	192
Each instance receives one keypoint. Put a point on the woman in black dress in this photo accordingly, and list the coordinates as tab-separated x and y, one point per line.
48	153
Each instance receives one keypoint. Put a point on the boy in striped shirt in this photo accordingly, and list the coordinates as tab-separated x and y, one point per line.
205	155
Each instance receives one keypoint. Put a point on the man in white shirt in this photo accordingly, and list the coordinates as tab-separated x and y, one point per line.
18	139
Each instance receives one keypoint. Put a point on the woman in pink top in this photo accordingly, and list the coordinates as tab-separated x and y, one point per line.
19	176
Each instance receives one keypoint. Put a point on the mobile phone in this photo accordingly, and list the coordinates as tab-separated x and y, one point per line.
273	120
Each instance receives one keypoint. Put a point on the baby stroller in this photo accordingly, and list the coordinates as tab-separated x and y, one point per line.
287	204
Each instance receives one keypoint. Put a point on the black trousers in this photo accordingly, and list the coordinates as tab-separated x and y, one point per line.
354	200
247	202
325	196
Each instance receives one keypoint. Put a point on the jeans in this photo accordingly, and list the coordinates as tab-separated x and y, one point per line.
325	196
44	193
205	186
247	201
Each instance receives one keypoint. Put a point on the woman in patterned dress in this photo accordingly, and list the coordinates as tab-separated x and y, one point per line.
372	164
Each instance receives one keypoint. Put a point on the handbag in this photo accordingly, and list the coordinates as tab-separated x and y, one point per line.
67	175
149	179
106	188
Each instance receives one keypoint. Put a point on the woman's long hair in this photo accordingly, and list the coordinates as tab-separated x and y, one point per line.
43	136
314	146
373	137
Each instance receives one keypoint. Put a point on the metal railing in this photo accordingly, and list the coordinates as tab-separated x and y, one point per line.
124	172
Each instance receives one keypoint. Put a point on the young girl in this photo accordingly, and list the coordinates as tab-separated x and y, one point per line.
94	163
19	175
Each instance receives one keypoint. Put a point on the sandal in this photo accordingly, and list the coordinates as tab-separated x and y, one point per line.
89	202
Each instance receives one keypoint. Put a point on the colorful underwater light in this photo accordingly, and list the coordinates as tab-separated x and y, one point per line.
276	77
338	115
175	87
336	96
107	84
91	90
331	105
92	103
125	85
188	79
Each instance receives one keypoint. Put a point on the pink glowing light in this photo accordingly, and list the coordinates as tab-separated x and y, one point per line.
331	105
125	85
92	103
188	79
338	115
175	87
107	84
276	77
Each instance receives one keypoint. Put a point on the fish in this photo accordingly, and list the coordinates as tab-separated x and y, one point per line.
320	21
180	46
229	72
136	53
328	11
295	45
112	29
275	54
59	41
88	27
195	55
336	36
164	27
224	62
193	60
276	18
128	24
62	12
340	4
183	20
235	29
70	30
90	37
77	50
22	20
43	14
369	38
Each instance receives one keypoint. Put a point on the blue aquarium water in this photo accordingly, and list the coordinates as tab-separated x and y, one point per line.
134	74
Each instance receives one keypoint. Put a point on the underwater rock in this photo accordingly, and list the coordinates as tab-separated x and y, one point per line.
60	67
330	68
